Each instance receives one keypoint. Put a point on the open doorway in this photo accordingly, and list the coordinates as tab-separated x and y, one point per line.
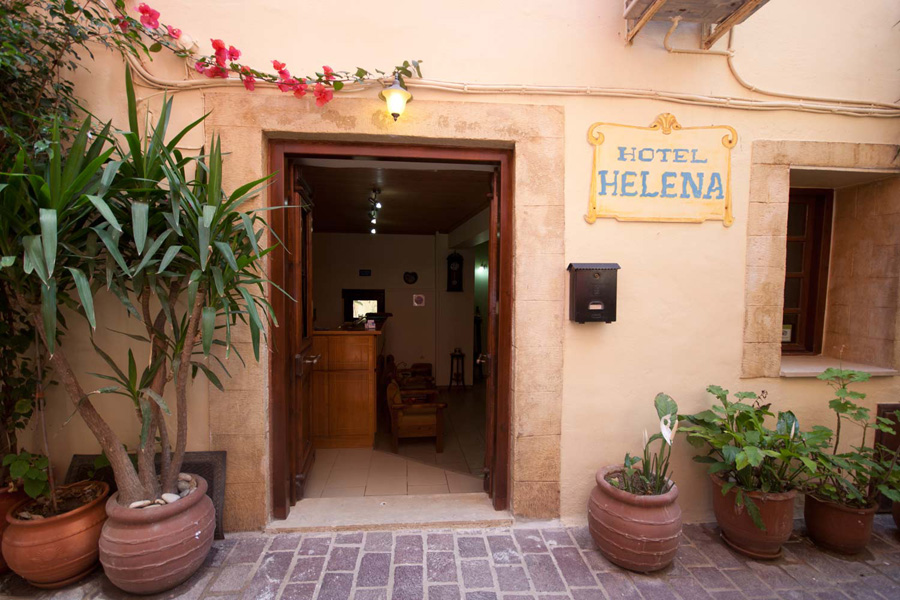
390	375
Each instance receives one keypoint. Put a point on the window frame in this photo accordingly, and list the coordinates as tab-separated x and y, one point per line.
814	276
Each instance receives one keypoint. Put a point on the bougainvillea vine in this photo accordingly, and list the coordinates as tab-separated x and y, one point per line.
224	62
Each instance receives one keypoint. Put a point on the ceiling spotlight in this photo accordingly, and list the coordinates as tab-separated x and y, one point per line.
378	205
372	230
373	220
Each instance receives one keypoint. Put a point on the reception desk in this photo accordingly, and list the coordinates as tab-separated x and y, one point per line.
343	388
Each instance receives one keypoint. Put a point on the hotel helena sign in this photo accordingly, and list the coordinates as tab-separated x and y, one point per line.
664	172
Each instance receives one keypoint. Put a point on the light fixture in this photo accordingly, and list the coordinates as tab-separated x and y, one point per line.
374	207
482	267
396	97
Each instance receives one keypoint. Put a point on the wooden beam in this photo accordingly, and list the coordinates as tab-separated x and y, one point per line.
651	10
736	17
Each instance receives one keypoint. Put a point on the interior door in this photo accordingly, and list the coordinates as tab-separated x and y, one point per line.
299	278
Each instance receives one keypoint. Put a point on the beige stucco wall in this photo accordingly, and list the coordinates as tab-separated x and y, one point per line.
681	312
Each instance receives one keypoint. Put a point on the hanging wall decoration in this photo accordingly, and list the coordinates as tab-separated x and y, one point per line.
455	272
664	172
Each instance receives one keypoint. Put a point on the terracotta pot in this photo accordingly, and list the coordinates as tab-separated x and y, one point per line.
151	550
7	500
738	530
639	533
896	512
55	551
839	528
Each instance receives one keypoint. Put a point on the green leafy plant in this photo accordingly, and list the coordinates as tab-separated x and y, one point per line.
31	470
749	455
652	476
140	227
856	475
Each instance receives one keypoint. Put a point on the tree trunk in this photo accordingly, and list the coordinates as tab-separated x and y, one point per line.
130	488
181	379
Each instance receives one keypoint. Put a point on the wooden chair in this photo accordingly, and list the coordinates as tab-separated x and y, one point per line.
415	415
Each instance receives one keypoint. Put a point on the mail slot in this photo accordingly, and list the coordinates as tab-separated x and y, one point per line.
592	292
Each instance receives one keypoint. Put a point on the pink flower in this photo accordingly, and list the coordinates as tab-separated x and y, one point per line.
288	85
174	32
221	52
199	66
300	90
248	79
122	22
284	74
233	53
278	66
213	72
323	94
329	72
149	17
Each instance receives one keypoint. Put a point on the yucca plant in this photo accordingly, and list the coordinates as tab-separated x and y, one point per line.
136	224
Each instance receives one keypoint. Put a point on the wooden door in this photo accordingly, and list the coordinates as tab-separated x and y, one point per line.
298	240
496	355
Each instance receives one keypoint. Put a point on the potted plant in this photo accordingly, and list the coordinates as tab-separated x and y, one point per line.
51	538
633	513
842	498
16	396
755	470
154	237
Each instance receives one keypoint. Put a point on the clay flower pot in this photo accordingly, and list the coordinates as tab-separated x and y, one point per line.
56	551
639	533
738	530
151	550
7	500
836	527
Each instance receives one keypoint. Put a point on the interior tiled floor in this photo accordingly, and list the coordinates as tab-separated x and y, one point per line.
417	468
367	472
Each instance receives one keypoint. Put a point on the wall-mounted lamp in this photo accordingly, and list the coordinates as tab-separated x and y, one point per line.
482	267
396	97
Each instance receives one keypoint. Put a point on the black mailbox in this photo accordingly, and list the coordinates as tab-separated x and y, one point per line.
592	292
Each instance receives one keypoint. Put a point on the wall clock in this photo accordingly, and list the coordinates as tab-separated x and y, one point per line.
455	272
410	277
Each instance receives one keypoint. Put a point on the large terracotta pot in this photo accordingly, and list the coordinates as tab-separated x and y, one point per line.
639	533
151	550
7	500
55	551
738	530
836	527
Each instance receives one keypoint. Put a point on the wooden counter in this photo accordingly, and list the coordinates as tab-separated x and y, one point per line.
343	388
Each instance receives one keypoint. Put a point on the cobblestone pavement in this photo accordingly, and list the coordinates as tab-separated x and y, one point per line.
508	564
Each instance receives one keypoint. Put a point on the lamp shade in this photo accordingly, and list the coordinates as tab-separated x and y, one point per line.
396	98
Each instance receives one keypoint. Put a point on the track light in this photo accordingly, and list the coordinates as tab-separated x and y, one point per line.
378	205
372	230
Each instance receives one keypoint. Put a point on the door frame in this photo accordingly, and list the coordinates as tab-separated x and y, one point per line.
282	351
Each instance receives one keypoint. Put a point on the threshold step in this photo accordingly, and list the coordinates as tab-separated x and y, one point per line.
392	512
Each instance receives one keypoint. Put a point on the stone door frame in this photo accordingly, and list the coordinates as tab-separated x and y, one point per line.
239	416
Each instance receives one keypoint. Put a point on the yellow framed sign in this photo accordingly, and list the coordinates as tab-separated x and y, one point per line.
664	172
